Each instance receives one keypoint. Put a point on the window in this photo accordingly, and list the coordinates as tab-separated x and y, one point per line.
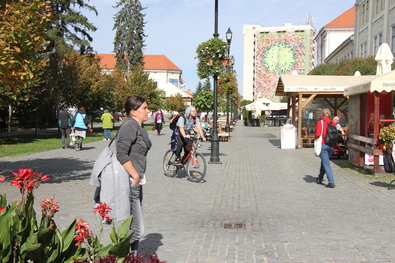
377	7
363	13
375	44
382	4
380	39
361	50
365	47
393	39
367	10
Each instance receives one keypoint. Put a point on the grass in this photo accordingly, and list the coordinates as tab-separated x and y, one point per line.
20	145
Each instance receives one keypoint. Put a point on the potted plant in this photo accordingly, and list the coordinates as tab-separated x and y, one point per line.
387	135
210	55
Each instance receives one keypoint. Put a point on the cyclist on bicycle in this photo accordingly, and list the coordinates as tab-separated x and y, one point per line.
183	131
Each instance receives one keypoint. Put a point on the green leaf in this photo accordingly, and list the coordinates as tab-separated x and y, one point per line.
124	228
68	235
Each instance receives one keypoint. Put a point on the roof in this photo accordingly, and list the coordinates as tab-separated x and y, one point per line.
385	82
320	84
151	62
347	19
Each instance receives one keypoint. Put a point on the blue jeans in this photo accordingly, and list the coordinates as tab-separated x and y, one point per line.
326	152
107	134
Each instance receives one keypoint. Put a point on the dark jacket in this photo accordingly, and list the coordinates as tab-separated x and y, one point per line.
65	120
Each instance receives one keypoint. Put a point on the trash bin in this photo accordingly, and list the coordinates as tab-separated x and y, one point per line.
288	137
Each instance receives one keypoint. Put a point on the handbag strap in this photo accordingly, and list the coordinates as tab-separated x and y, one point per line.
322	127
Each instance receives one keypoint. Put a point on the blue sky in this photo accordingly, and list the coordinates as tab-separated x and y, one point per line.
176	28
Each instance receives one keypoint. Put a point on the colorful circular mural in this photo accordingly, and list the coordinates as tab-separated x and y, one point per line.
279	58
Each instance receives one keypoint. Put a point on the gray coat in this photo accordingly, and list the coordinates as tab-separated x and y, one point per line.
113	184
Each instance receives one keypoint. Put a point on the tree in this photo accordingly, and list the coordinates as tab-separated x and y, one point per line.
199	88
175	103
366	66
70	27
129	35
23	27
204	101
140	84
207	85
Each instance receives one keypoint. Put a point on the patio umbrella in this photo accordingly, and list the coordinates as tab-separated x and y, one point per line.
264	104
384	59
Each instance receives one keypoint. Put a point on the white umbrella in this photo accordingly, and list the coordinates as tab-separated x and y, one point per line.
264	104
384	59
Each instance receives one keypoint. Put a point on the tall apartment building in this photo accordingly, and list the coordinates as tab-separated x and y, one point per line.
271	51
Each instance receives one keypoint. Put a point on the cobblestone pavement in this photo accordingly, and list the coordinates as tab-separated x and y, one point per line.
260	205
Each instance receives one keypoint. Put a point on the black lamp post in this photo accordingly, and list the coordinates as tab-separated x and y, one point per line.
214	158
229	40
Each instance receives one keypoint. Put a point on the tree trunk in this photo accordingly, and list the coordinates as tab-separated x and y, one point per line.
9	120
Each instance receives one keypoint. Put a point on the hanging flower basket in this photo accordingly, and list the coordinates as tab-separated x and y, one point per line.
210	55
225	62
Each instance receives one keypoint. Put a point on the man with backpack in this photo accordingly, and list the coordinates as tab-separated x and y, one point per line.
182	133
65	122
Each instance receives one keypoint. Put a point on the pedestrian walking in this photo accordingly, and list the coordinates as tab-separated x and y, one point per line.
65	123
326	149
133	145
159	121
81	121
107	124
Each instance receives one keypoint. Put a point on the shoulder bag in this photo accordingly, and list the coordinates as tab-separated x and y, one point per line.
318	142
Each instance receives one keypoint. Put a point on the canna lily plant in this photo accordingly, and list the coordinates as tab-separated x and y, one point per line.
24	239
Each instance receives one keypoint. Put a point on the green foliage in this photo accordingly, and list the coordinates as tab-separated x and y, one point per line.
23	27
23	239
129	34
175	103
204	101
366	66
227	85
140	84
214	49
387	134
262	118
69	27
246	102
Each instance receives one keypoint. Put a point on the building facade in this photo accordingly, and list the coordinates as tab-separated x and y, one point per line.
165	74
271	51
333	35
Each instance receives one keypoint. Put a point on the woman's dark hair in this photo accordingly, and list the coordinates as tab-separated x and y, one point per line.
133	103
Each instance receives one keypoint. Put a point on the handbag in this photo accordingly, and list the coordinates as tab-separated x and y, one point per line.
318	142
72	138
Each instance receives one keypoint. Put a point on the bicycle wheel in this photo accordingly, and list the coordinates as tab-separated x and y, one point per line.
168	167
196	167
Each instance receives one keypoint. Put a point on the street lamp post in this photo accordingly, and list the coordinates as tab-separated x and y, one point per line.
229	41
214	158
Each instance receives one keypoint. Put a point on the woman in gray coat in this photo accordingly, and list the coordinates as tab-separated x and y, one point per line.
132	148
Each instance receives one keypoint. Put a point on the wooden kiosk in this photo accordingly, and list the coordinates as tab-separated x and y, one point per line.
301	89
370	108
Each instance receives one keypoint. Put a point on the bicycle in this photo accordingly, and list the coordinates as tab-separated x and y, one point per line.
195	163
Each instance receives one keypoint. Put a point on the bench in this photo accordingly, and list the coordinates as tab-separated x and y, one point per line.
223	136
306	138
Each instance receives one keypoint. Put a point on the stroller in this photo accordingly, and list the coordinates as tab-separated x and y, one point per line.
340	150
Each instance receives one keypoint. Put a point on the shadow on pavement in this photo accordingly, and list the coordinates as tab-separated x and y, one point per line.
58	169
310	179
150	244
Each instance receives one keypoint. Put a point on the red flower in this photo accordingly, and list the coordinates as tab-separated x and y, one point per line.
82	231
1	209
2	179
103	209
49	207
24	179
